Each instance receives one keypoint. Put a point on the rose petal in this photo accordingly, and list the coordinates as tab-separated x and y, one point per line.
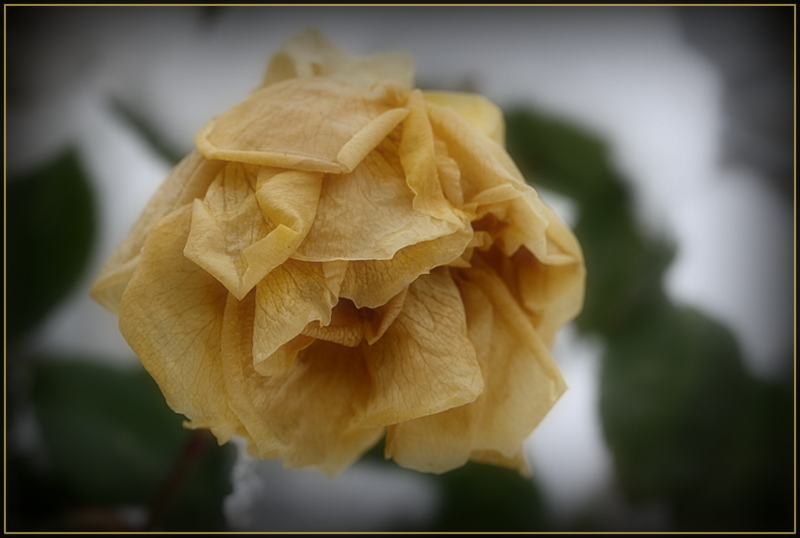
551	293
287	299
371	283
346	326
318	124
171	315
481	114
350	325
304	416
310	54
417	153
490	183
521	383
424	363
369	214
188	180
233	240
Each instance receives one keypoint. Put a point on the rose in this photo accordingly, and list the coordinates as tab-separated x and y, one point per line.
344	257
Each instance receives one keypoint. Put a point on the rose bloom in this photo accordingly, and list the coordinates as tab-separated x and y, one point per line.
345	257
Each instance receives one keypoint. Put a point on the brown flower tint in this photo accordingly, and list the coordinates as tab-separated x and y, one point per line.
344	257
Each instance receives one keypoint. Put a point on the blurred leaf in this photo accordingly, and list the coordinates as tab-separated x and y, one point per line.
623	267
113	441
142	126
560	156
199	504
485	498
687	424
50	223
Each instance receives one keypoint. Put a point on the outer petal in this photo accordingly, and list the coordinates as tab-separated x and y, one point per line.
310	54
317	124
521	385
304	416
171	315
369	214
188	180
417	152
482	115
424	363
551	293
490	183
251	221
480	168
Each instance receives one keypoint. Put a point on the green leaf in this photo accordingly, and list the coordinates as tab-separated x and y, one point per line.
113	441
559	156
688	425
485	498
50	230
144	128
623	267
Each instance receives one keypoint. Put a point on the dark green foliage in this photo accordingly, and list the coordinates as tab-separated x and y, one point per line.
112	441
485	498
139	123
686	423
50	223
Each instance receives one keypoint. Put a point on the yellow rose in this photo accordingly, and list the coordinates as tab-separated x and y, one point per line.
344	257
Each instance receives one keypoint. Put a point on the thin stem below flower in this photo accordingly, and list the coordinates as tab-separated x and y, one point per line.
190	455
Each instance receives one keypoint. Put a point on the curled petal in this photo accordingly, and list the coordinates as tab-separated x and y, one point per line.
417	151
346	326
521	384
371	283
287	299
424	363
311	54
319	124
189	180
233	240
481	114
551	293
369	214
306	415
171	315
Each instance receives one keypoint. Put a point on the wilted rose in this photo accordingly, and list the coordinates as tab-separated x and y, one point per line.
344	257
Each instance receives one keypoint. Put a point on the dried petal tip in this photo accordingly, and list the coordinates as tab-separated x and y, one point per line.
346	257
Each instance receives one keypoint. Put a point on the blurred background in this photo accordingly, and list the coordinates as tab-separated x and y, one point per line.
663	136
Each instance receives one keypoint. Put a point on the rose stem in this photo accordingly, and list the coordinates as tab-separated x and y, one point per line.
191	453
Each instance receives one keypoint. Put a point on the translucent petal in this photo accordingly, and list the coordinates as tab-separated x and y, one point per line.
310	54
424	363
369	214
551	293
171	315
371	283
521	383
481	170
287	299
481	114
188	180
318	124
251	221
304	416
349	326
417	151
